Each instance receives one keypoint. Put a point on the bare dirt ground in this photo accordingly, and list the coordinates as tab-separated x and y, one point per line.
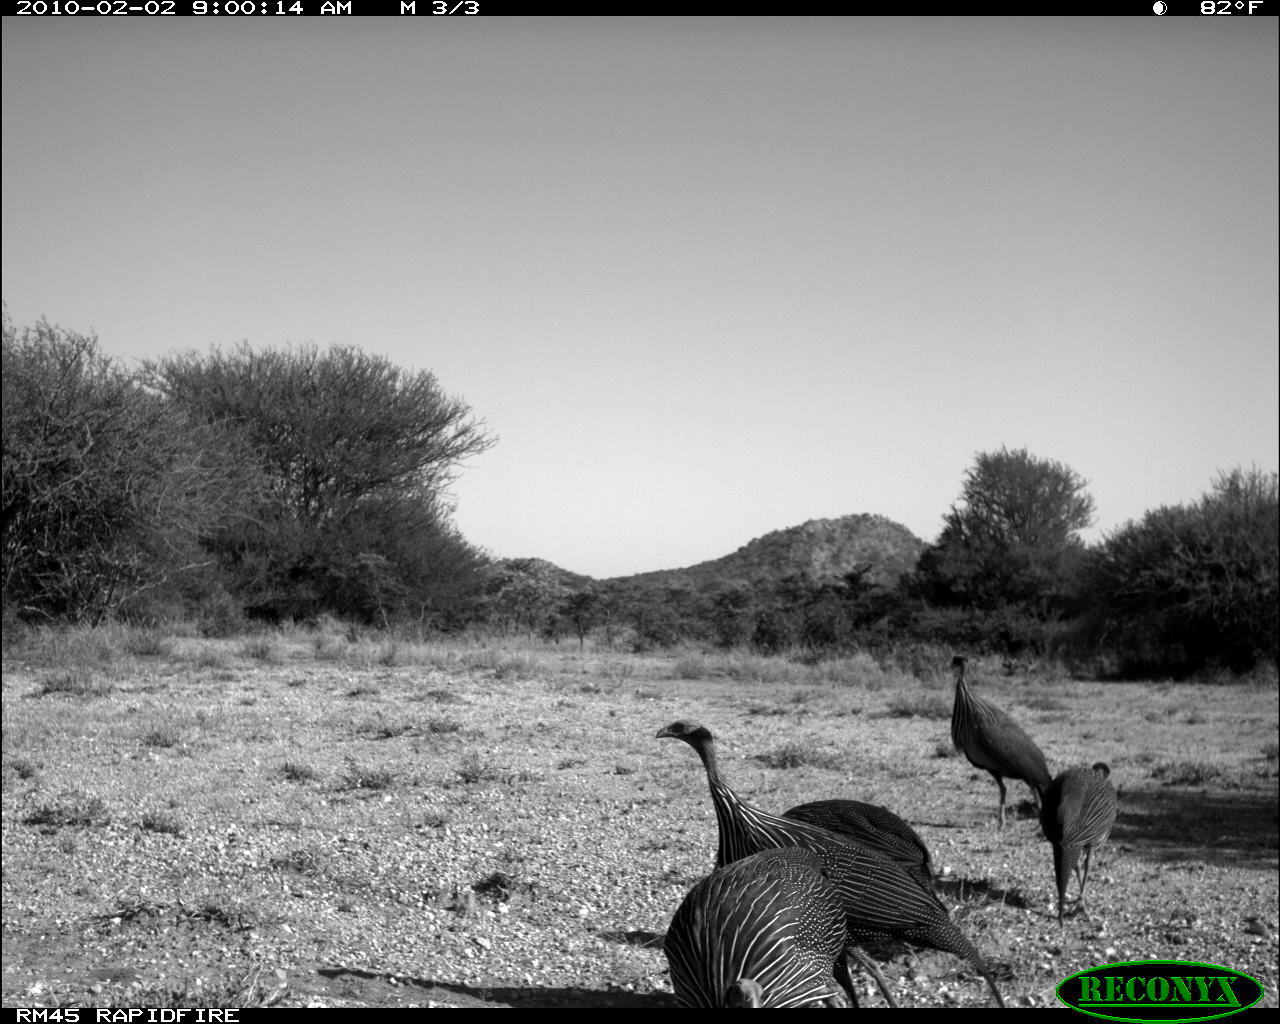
316	823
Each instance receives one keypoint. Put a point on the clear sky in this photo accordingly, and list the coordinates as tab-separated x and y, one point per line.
704	278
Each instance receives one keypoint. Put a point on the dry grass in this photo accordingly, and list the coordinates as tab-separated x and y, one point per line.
800	755
444	824
74	682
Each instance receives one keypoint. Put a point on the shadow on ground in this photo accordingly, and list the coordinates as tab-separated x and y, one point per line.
965	890
353	986
1228	829
636	937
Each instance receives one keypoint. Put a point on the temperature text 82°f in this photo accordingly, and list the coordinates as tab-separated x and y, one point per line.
1231	7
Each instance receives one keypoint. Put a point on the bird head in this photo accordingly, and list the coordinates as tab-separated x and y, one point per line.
957	667
691	732
1103	769
744	992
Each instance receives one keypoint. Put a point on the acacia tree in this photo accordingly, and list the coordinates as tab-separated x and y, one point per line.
581	609
1012	538
107	488
525	594
358	453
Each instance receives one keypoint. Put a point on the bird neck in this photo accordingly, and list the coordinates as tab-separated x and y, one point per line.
731	811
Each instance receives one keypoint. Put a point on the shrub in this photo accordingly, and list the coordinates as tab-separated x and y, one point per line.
1192	586
108	487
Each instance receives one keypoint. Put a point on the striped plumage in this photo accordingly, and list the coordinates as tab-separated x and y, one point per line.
993	741
880	900
766	930
1078	813
872	826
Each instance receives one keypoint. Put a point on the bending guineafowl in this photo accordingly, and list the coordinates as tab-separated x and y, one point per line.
1078	813
767	930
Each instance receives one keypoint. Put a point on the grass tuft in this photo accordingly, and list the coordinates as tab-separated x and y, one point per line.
164	736
74	682
22	768
800	755
235	915
162	822
74	808
251	989
302	861
500	886
359	776
439	696
260	648
383	728
925	705
1188	773
212	657
148	643
472	769
297	771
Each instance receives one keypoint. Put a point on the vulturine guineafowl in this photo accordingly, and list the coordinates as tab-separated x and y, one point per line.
1078	813
767	930
873	826
993	741
880	900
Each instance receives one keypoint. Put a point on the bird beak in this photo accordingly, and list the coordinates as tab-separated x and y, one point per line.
664	732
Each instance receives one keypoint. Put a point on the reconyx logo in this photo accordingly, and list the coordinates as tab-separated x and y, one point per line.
1163	990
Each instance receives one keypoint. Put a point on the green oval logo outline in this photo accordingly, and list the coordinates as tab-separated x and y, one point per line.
1227	1011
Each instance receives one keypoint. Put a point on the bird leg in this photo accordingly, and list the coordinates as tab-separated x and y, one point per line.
1088	852
992	982
845	978
871	968
1000	783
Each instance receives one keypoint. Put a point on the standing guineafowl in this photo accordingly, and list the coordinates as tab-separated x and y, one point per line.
993	741
767	930
1078	813
880	900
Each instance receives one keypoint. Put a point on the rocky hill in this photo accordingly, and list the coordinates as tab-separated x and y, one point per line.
821	549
